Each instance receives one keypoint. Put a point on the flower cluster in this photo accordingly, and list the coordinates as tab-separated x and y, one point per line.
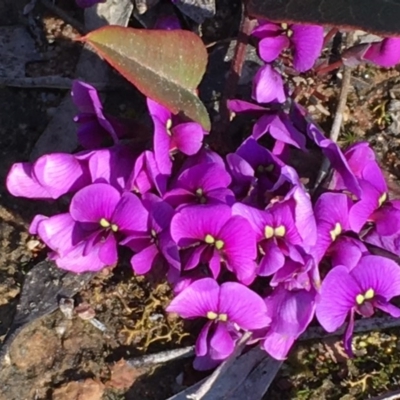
241	240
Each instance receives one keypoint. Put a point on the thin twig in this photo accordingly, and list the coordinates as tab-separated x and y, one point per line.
161	357
338	119
65	17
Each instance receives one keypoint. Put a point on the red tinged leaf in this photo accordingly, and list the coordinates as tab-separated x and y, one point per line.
166	66
379	16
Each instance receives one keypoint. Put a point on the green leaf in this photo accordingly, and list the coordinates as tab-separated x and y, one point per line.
166	66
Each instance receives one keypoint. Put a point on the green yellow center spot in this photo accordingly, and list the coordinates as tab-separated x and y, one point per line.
382	199
209	239
219	244
104	223
222	317
268	232
280	231
153	233
114	227
336	231
368	295
199	192
168	125
212	315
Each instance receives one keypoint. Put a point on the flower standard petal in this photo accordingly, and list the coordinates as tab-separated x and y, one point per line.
130	215
187	137
198	299
239	249
94	202
194	223
243	306
337	297
379	274
307	41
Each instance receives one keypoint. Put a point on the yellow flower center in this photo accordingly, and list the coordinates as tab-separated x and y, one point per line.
214	316
368	295
219	244
107	225
270	231
336	231
382	199
169	126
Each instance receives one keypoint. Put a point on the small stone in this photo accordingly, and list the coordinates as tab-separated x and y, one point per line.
88	389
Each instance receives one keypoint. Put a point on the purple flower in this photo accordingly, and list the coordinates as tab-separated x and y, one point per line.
229	308
95	129
332	216
201	184
99	216
291	312
277	124
146	176
155	245
385	53
210	234
371	284
276	234
305	40
171	135
50	177
268	86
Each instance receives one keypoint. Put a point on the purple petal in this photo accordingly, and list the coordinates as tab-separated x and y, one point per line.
378	273
108	250
333	208
169	249
241	106
268	86
257	218
130	215
243	306
158	111
144	260
221	342
202	340
307	41
239	248
162	147
347	251
337	297
191	257
387	220
385	53
94	202
21	182
187	137
194	223
388	308
215	264
270	48
196	300
273	259
160	211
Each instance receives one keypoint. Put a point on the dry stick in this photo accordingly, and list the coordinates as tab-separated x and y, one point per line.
337	121
64	16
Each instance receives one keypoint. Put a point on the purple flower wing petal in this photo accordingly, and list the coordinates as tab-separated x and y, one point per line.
239	106
277	345
378	273
273	259
270	48
268	86
169	249
144	260
196	222
388	308
108	250
385	53
196	300
337	297
162	147
191	257
347	251
243	306
188	137
215	264
202	340
387	220
221	343
94	202
307	41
